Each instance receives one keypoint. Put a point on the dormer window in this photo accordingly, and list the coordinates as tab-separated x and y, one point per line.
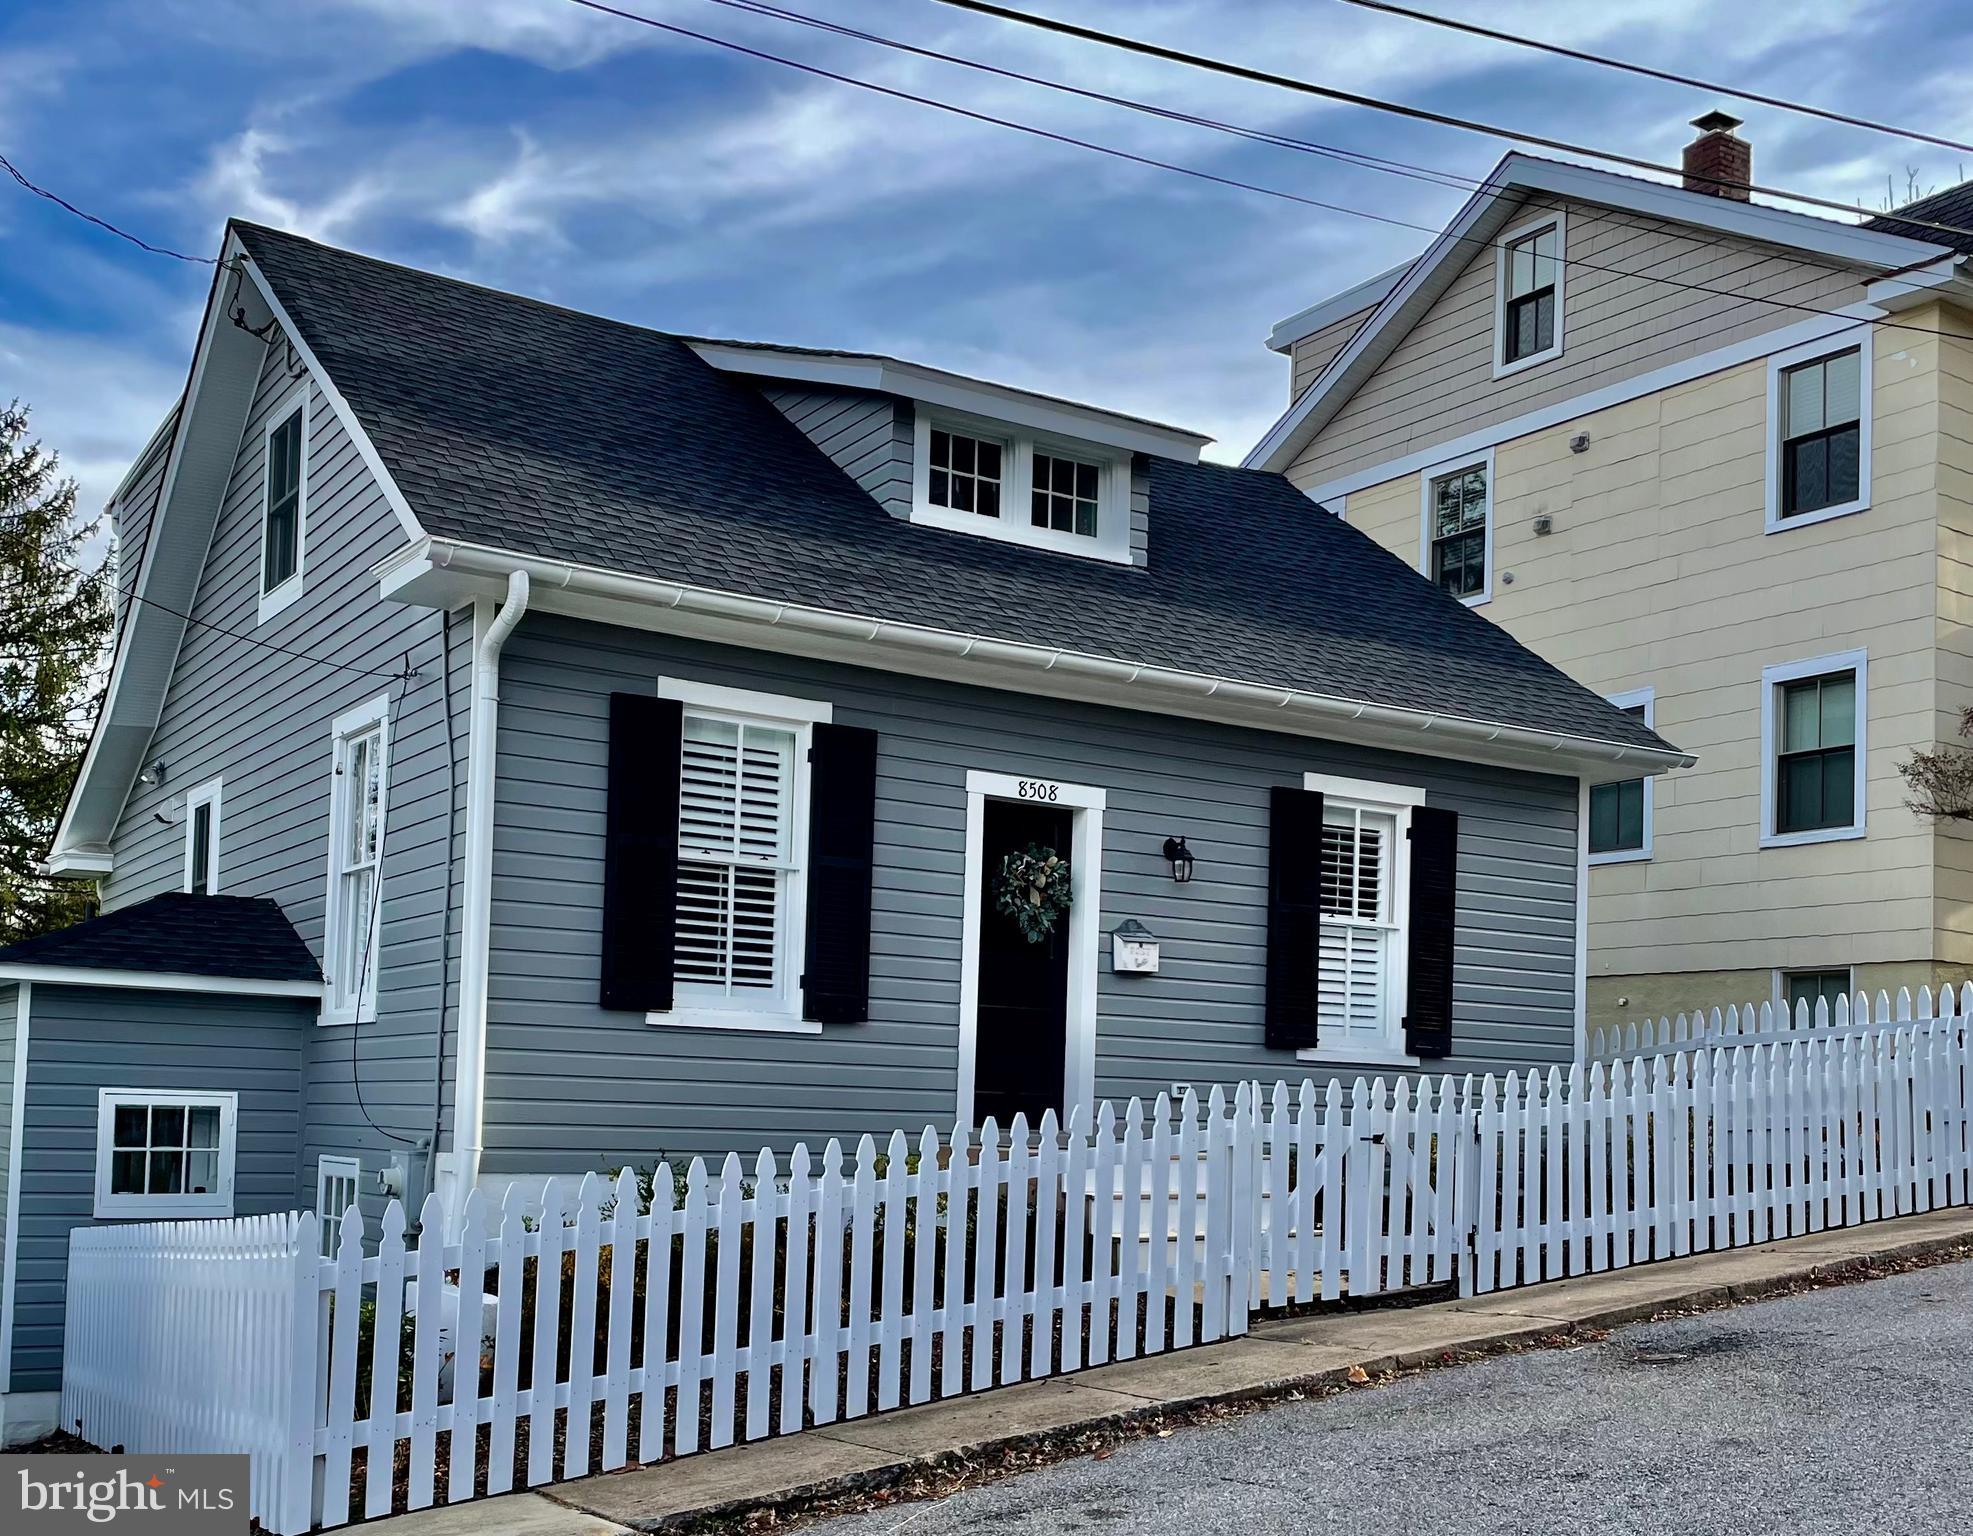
1005	482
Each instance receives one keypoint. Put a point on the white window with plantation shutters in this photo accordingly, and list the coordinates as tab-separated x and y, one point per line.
742	833
1361	954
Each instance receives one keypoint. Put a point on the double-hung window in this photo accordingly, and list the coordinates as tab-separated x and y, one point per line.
202	839
357	795
284	513
1818	435
742	837
1458	529
1360	962
1620	812
164	1154
1812	730
1528	320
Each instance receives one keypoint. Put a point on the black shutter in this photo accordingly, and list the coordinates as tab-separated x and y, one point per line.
842	836
640	859
1294	916
1434	877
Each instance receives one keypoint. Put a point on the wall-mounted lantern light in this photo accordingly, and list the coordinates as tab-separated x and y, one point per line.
1181	859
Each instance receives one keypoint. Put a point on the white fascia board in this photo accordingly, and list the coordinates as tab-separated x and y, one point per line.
444	572
155	981
1480	218
138	465
1340	306
934	386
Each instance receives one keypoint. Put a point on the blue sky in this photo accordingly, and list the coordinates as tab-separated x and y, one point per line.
544	148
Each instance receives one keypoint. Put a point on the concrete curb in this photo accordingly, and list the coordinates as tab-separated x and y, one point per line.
1277	1359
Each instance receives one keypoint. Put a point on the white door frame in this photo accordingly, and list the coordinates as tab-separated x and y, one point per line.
1085	802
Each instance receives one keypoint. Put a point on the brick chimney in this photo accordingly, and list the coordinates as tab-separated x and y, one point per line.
1717	162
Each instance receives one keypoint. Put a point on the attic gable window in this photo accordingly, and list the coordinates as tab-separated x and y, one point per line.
284	511
1021	487
1528	302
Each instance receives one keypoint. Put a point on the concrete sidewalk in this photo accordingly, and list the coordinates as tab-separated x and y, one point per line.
1276	1358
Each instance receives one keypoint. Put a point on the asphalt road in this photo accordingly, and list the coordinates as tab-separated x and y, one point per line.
1849	1410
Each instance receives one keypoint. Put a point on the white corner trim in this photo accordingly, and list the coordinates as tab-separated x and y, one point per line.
10	1258
273	601
1779	363
1432	473
1363	791
156	981
1014	525
1647	700
114	1207
1853	318
1772	678
354	722
744	701
1557	220
1085	929
208	794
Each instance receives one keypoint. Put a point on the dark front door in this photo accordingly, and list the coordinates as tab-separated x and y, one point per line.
1022	1038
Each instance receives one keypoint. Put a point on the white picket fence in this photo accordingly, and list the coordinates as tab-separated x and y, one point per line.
1746	1023
766	1297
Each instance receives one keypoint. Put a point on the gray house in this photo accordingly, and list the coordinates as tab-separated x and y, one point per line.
537	743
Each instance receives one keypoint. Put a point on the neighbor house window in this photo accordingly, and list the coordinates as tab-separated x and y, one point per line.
202	839
357	788
1801	989
283	510
1819	435
1360	958
1813	740
335	1192
966	473
164	1154
1620	813
1458	530
1529	280
1065	494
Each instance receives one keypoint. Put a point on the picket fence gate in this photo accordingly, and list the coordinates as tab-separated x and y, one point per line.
764	1299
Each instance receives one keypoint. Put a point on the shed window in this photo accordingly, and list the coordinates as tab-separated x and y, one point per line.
164	1154
966	472
1065	494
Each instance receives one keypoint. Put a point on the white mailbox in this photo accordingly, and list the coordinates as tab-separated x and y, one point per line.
1132	949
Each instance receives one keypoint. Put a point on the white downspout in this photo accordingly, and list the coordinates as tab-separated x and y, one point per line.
476	937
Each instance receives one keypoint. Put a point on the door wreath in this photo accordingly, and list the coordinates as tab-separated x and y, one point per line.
1034	889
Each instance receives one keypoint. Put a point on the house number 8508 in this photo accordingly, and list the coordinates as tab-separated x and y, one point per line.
1038	789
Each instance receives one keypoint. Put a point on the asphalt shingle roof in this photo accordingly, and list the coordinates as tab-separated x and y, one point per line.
244	937
520	425
1953	206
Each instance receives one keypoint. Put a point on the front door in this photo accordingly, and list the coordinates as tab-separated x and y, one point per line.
1021	1043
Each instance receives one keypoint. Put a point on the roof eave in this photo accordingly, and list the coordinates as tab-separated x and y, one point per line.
441	572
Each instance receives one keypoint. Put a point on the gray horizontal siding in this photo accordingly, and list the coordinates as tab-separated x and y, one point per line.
82	1039
571	1085
133	513
262	721
869	437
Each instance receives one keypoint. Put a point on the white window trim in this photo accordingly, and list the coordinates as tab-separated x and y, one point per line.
1779	363
1633	699
283	596
1482	459
1398	801
784	1015
1112	539
327	1167
1781	973
207	794
164	1207
375	712
1772	678
1560	222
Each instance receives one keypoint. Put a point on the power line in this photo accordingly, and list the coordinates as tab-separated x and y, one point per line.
270	645
1473	28
103	224
939	104
1400	109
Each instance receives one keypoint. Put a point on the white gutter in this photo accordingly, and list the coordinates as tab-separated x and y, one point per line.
476	938
1450	735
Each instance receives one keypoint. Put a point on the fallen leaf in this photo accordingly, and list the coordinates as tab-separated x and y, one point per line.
1356	1376
1103	1455
1164	1434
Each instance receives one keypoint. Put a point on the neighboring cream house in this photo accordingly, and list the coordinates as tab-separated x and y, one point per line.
1715	460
